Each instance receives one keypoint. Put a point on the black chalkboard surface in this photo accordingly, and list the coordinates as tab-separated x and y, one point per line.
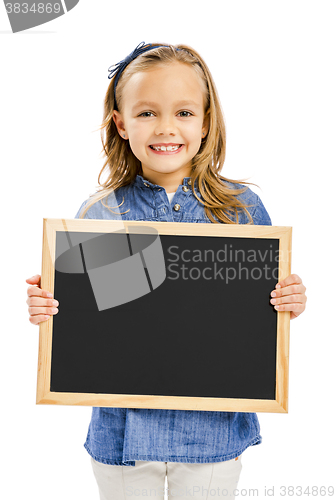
166	315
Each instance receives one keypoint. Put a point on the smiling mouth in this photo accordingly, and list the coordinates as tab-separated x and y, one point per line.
166	149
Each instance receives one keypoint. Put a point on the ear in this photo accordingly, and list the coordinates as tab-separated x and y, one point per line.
118	120
206	124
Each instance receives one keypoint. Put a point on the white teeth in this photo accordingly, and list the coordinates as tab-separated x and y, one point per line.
164	148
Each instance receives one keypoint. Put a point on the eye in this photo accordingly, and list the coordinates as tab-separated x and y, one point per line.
185	116
146	113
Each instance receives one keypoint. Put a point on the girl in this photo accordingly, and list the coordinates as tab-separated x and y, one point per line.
164	138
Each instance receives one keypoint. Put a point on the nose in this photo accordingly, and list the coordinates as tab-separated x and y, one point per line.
165	126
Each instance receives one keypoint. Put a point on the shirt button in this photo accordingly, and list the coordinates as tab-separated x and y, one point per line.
189	182
177	207
185	188
145	183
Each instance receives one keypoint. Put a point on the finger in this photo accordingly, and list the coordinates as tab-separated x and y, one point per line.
35	320
34	279
289	299
289	290
38	292
41	302
297	307
292	278
36	311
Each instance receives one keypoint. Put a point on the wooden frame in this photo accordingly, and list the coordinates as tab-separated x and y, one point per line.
45	396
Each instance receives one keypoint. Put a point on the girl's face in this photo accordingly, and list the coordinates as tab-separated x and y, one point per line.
163	107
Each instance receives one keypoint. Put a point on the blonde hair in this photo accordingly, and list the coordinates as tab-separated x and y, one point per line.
123	166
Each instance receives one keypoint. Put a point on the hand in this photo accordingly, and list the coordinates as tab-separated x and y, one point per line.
40	302
289	295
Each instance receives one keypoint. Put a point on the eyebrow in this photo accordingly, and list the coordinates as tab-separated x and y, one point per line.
153	104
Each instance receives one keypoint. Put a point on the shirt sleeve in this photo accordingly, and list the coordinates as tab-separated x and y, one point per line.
260	215
86	216
255	207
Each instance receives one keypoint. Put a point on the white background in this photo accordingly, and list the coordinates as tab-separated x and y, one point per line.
274	67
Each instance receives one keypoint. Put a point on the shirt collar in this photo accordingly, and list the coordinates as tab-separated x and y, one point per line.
144	183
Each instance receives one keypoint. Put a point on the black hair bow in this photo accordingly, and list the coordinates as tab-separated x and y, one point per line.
120	66
117	69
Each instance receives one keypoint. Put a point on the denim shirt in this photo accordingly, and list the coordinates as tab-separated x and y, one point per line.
121	436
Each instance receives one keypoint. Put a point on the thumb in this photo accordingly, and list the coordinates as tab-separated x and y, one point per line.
34	280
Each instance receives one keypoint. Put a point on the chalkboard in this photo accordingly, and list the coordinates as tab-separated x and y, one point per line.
164	315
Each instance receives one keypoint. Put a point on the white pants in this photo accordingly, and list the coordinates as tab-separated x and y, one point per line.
147	480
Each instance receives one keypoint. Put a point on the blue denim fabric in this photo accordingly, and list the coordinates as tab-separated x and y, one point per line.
120	436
